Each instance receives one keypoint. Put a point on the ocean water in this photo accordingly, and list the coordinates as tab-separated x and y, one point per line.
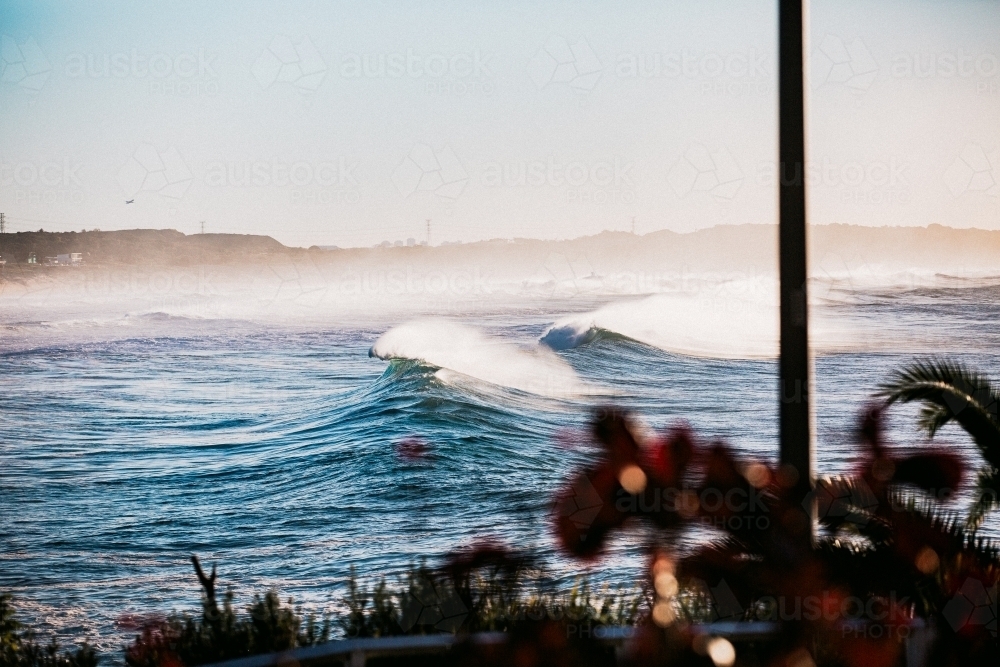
131	441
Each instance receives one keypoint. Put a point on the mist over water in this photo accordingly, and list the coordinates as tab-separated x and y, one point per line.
251	415
321	288
462	351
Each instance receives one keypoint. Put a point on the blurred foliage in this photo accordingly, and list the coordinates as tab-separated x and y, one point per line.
950	392
887	557
845	570
486	589
482	589
219	633
18	647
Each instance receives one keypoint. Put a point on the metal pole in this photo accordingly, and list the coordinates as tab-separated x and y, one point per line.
794	385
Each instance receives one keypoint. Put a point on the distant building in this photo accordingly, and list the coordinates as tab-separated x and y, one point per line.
397	244
410	242
32	259
65	259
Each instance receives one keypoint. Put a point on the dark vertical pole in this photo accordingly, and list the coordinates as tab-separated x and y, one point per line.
796	444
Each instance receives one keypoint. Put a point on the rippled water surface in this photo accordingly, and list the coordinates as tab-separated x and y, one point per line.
270	449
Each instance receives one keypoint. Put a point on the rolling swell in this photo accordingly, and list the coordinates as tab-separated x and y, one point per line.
732	323
273	455
568	337
273	451
462	352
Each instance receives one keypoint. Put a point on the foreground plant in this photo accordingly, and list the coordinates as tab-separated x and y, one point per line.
887	558
487	588
18	647
220	633
950	392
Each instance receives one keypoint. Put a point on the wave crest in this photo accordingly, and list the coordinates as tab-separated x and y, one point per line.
706	324
458	348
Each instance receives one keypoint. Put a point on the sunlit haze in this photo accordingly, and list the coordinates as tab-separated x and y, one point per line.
474	330
349	124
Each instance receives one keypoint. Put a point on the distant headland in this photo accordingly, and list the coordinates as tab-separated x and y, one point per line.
749	248
157	247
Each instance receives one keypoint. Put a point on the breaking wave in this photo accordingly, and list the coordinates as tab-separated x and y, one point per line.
456	348
707	324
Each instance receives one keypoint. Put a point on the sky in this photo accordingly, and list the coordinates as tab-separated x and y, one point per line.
353	123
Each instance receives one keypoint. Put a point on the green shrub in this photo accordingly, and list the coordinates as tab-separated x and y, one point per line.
18	647
498	593
219	633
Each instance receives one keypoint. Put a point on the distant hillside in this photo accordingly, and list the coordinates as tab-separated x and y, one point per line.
835	250
156	247
747	249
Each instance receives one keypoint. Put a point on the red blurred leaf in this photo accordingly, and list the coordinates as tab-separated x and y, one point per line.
931	472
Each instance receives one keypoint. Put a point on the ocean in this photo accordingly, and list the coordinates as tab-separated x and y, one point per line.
268	443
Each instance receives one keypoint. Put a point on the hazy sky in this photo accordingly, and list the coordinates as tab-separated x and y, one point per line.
351	123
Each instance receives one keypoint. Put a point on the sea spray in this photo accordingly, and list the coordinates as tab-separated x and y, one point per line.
458	348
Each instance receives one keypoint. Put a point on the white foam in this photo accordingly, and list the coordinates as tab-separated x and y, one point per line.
458	348
729	321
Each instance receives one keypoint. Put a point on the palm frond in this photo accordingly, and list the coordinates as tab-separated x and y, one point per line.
950	392
987	498
932	417
844	502
910	514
